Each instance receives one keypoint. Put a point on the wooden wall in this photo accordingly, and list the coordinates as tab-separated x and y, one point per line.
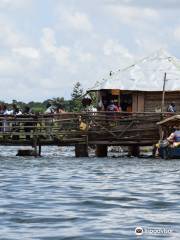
153	100
138	102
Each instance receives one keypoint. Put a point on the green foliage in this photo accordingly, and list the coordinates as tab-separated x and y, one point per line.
93	96
37	107
76	98
72	105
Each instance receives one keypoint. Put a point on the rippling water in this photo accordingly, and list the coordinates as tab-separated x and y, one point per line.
60	197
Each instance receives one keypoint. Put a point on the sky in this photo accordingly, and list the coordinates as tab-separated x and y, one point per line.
46	46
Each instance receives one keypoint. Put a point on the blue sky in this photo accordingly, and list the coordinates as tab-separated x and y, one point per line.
48	45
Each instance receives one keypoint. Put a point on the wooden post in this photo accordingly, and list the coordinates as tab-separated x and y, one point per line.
135	102
35	146
81	150
35	149
119	100
134	151
140	107
101	151
39	153
163	94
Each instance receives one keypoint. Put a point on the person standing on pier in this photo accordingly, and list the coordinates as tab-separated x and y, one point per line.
50	109
6	112
16	110
171	107
1	113
112	107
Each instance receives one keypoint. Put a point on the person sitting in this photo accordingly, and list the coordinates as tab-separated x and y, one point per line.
87	105
112	107
171	107
59	109
6	111
16	110
1	109
1	118
27	110
174	137
50	109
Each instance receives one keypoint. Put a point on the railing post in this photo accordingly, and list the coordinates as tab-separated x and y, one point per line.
134	151
101	151
81	150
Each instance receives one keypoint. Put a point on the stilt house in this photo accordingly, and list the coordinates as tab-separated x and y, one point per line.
139	87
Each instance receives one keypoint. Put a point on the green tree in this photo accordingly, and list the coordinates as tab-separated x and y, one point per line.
76	98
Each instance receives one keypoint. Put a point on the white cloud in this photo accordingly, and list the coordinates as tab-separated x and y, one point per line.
60	53
15	3
9	67
48	40
149	44
27	52
74	19
160	4
41	62
112	47
85	57
78	21
62	56
9	37
132	14
177	33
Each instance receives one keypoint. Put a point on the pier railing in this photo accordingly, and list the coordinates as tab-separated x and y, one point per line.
110	128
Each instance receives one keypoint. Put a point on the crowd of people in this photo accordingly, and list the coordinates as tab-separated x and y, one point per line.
110	106
51	109
13	109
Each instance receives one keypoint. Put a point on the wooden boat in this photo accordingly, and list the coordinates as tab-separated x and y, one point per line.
169	152
166	127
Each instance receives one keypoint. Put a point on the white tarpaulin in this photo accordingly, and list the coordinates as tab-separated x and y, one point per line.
146	75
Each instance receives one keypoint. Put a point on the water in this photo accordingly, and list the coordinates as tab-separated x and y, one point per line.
60	197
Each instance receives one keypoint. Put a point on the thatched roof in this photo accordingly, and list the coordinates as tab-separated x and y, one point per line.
146	75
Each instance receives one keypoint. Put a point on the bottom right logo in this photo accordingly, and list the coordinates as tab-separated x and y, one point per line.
139	231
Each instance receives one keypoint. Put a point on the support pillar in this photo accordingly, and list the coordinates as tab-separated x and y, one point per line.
134	151
81	150
39	153
101	151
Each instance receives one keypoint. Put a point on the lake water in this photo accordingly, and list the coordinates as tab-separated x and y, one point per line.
60	197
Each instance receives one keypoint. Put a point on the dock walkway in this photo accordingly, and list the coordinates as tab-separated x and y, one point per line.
80	129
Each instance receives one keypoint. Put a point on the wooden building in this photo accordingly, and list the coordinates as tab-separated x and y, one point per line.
139	87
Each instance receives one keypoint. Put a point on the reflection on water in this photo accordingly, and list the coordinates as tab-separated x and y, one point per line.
60	197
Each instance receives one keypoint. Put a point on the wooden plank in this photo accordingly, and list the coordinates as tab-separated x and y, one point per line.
135	102
140	102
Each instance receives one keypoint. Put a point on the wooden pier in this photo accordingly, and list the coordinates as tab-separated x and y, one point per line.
100	129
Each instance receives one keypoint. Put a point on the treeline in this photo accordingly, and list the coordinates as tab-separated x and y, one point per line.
72	105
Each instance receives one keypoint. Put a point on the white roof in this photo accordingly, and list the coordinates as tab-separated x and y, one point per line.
146	75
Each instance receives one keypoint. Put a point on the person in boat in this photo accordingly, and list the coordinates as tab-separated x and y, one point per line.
174	137
171	107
